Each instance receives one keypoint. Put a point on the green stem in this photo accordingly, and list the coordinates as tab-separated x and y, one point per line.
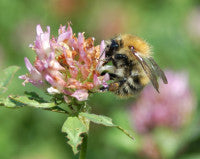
83	147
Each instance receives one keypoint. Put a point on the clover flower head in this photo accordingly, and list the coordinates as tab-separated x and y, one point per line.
172	108
66	64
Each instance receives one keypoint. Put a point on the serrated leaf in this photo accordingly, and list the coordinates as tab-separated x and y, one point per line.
25	101
7	102
32	100
6	77
106	121
98	119
74	127
20	101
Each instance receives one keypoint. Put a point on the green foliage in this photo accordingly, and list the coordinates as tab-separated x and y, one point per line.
74	127
6	77
19	101
164	24
32	101
106	121
98	119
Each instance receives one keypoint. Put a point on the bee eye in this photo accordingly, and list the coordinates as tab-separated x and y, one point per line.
132	48
114	45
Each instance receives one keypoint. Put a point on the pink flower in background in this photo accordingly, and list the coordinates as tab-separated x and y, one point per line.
66	64
172	108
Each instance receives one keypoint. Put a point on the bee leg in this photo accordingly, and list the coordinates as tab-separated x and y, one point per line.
113	87
106	69
112	75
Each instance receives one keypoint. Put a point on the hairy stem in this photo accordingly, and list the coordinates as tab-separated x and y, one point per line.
84	147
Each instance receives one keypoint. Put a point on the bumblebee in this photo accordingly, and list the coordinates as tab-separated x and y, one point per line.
132	66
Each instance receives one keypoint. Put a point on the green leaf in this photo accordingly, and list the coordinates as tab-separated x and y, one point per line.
6	77
74	127
20	101
7	102
25	101
98	119
106	121
31	100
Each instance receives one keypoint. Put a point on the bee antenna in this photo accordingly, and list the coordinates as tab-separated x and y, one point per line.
102	53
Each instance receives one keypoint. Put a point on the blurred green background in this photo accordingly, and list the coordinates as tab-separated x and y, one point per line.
172	27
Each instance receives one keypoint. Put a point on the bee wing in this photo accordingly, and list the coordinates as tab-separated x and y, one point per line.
158	70
148	70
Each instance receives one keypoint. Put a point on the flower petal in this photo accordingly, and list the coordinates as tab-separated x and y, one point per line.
34	73
52	90
105	79
63	36
62	29
102	55
29	66
39	30
96	81
80	95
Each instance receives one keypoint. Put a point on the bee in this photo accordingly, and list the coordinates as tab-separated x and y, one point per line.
132	65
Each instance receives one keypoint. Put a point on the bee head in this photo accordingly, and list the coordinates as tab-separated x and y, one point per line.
112	46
